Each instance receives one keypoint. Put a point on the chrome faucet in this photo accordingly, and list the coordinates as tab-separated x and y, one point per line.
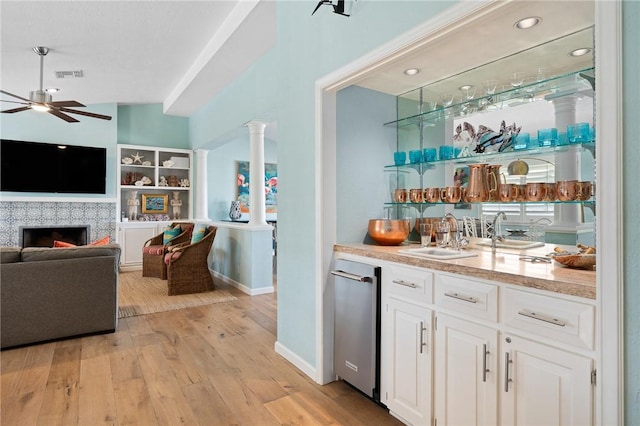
457	235
495	237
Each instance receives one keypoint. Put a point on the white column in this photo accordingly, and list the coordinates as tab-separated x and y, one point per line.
257	200
567	162
201	185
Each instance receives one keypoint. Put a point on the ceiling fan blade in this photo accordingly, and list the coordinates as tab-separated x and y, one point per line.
66	104
15	96
13	102
65	117
9	111
88	114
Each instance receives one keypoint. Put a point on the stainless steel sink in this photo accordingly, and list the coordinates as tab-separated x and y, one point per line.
512	244
437	253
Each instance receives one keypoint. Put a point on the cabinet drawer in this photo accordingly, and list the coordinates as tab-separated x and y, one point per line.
412	284
466	296
558	319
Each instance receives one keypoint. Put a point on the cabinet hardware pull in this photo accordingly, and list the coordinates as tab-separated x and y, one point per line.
543	317
462	297
405	283
507	361
422	330
353	277
485	370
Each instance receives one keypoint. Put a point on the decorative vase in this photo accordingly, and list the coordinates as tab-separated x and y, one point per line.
234	211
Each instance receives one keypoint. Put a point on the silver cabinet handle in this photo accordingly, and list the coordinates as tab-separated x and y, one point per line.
507	361
353	277
485	370
405	283
542	317
422	330
462	297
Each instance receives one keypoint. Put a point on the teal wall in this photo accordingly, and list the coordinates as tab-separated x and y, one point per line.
631	82
147	125
41	127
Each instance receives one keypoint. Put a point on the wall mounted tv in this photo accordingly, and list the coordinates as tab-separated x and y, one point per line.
53	168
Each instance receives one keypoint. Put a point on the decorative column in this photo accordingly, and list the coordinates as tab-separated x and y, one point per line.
201	185
567	162
257	200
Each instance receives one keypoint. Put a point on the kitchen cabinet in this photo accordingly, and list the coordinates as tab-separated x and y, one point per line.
543	385
466	372
409	357
458	350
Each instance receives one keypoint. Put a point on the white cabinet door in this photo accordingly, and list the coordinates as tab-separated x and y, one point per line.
542	385
466	373
408	361
131	240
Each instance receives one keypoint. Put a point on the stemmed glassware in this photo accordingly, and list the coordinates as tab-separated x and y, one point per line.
516	79
489	87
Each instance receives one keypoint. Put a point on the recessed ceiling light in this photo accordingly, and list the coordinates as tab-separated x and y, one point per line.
465	87
52	90
580	52
412	71
529	22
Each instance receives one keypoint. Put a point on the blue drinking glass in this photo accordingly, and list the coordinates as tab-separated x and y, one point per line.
548	137
446	152
522	141
399	158
415	156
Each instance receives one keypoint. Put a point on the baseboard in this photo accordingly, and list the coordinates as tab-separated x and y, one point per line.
298	362
128	268
243	288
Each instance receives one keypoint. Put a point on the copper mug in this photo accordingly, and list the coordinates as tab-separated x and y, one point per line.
431	195
463	195
585	191
568	190
535	191
508	192
522	193
415	195
450	194
400	195
550	194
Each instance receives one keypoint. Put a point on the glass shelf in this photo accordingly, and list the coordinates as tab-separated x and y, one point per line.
549	88
495	156
585	202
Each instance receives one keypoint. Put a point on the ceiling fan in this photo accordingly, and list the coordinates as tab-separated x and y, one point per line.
40	100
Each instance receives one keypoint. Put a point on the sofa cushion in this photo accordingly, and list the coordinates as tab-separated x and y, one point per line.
10	254
59	244
37	254
102	241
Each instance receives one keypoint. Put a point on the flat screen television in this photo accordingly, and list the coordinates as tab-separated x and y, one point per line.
52	168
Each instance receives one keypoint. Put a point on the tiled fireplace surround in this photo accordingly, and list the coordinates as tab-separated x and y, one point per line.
100	216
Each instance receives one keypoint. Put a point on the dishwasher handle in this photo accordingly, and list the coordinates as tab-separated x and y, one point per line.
353	277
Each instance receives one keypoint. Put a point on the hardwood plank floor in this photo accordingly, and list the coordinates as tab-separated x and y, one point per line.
207	365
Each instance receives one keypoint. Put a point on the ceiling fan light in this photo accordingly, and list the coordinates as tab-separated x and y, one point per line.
51	90
40	107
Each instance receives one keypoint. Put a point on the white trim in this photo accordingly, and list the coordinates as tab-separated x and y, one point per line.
325	89
294	359
609	214
243	288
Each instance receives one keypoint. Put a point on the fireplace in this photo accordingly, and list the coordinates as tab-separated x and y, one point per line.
43	236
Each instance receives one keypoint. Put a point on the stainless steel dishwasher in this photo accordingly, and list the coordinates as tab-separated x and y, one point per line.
357	326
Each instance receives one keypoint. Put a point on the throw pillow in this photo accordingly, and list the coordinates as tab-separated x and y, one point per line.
199	231
170	234
102	241
57	243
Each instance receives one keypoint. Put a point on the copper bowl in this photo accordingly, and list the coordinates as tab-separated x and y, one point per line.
389	232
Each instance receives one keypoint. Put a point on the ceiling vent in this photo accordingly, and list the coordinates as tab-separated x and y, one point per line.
69	74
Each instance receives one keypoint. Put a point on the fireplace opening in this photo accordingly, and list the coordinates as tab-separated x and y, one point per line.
43	236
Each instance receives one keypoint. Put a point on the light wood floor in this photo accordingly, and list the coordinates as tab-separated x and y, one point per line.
209	365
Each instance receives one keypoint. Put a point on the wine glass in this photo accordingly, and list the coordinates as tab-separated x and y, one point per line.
516	79
489	87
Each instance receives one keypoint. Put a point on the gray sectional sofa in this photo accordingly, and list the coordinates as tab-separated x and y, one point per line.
53	293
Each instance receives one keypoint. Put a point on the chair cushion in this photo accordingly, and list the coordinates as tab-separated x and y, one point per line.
157	250
172	255
170	233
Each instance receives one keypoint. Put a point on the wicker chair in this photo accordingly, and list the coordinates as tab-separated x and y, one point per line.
187	266
153	251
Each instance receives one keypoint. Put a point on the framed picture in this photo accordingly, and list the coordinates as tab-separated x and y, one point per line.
154	203
270	186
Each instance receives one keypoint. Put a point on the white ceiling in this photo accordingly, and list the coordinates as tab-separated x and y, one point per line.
179	53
